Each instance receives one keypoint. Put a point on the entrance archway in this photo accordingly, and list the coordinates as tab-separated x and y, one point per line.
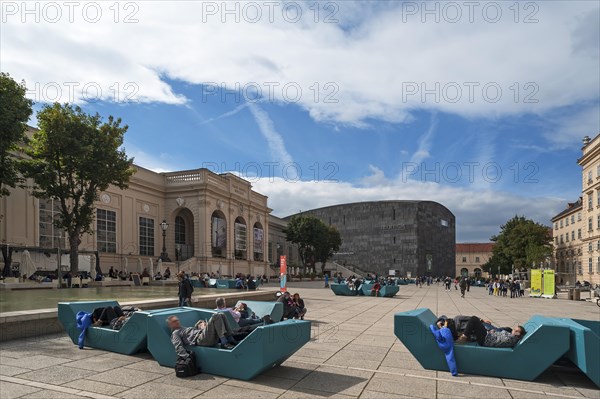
477	273
464	272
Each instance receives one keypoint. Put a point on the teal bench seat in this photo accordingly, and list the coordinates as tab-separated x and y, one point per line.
265	347
544	343
130	339
585	346
225	284
342	289
385	290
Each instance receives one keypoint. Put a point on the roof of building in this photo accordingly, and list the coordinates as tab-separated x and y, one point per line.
571	207
475	247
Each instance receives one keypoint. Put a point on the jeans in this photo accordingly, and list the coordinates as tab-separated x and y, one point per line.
183	302
477	328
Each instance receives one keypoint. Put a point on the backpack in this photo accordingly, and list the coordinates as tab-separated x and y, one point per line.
186	366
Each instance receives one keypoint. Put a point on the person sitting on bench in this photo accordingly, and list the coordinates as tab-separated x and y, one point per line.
482	332
375	289
203	333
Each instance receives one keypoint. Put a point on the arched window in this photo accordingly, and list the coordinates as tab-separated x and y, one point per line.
464	272
180	231
258	242
241	238
477	272
218	235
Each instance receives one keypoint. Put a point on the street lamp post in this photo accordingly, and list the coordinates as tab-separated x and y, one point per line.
163	255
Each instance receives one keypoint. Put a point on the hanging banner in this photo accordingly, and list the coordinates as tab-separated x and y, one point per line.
536	283
549	284
282	274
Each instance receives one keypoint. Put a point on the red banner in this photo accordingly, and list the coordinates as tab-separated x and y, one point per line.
282	274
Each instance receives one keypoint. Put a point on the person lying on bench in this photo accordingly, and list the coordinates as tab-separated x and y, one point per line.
482	332
237	314
113	316
203	333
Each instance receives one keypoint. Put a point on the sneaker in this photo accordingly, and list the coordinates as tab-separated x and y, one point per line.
227	346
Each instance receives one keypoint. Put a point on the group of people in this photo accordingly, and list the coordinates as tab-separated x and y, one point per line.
293	306
499	287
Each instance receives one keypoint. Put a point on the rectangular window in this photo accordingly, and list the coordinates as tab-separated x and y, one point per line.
590	247
444	222
578	233
146	236
590	176
572	218
556	226
561	223
598	266
561	238
477	259
579	268
573	235
50	235
590	266
567	221
590	226
394	240
106	230
590	200
464	259
598	221
578	216
567	237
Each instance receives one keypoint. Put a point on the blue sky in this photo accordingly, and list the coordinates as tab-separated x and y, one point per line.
393	98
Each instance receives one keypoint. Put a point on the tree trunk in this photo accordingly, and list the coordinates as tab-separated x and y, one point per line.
74	242
323	268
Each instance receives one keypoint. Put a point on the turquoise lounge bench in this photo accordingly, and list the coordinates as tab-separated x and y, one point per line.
585	346
264	348
385	290
342	289
130	339
545	342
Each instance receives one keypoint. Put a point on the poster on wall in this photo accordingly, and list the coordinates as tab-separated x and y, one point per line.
219	233
258	240
282	273
536	283
240	237
549	284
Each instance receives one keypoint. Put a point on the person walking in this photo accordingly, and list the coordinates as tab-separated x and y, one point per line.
463	286
326	280
185	289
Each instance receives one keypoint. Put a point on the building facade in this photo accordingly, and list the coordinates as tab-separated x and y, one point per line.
214	222
577	228
410	237
470	258
568	229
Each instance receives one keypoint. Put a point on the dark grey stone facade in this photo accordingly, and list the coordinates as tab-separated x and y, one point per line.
416	237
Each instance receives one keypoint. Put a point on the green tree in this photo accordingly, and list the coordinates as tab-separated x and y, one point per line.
304	231
522	243
72	158
328	243
15	111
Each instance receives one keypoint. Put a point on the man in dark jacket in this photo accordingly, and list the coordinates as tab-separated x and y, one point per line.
185	290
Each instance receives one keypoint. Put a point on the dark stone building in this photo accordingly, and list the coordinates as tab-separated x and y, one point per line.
411	237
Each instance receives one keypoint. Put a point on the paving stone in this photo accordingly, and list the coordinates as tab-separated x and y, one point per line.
336	380
56	375
407	386
125	376
33	362
231	392
265	383
153	390
9	390
46	393
95	386
11	370
200	383
98	363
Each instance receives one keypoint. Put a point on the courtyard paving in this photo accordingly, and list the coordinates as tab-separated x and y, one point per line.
353	353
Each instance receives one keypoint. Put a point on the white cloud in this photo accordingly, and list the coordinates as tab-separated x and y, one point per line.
274	139
478	213
369	57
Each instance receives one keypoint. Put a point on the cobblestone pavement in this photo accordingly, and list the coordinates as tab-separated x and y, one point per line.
353	353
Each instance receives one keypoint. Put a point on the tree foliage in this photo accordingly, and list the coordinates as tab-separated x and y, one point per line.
72	158
15	111
316	241
522	243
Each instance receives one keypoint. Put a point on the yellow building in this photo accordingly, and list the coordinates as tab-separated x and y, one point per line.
568	230
470	258
214	222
